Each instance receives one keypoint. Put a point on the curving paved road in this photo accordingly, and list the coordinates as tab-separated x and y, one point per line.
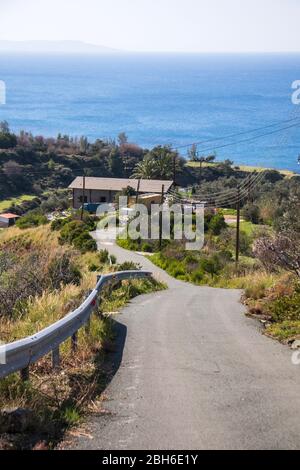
196	373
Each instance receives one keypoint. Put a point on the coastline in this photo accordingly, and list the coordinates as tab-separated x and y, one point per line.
248	168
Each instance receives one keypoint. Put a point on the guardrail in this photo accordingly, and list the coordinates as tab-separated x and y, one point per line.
19	355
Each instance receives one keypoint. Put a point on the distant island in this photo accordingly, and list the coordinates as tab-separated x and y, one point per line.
57	47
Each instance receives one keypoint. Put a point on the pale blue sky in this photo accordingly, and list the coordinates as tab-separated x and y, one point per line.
158	25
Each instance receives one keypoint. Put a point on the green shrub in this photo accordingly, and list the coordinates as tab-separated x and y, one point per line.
32	219
191	258
210	265
58	224
217	224
245	243
7	140
113	259
76	233
147	247
93	267
103	256
177	270
286	307
84	242
128	266
251	213
128	244
197	276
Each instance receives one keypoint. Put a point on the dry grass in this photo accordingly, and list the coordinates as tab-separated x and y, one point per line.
42	311
59	399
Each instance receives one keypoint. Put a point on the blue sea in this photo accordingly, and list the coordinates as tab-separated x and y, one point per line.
161	99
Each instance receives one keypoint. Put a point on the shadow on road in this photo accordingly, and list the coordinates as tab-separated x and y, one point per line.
112	359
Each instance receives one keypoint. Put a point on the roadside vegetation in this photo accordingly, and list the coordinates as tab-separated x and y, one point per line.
269	264
41	280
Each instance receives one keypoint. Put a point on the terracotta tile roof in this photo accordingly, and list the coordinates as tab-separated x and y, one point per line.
9	215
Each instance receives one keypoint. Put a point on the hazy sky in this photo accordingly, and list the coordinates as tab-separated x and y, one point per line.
158	25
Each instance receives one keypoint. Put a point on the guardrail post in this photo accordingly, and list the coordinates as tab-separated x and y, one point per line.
24	373
98	310
74	342
55	358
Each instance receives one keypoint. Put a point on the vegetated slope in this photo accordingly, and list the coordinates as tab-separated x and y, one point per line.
41	280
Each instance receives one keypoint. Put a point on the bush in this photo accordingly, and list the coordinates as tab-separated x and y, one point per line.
197	276
147	247
210	265
58	224
63	271
56	202
128	244
286	307
32	219
177	271
84	242
251	213
7	140
104	256
217	224
113	259
93	267
76	233
128	266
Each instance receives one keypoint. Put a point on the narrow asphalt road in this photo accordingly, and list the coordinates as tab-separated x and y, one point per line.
195	373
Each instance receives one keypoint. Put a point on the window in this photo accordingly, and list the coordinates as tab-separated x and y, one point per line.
103	199
80	199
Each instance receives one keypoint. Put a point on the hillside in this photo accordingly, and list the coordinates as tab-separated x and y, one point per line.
32	165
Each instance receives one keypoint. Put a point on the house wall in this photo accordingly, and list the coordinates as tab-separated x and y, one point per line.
4	223
146	200
92	195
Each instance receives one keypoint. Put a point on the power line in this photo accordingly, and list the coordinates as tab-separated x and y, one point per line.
225	192
226	197
236	134
248	139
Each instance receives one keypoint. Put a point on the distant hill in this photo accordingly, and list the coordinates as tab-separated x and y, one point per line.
58	47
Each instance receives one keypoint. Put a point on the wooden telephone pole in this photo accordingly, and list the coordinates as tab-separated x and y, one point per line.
238	216
160	215
138	191
83	196
174	169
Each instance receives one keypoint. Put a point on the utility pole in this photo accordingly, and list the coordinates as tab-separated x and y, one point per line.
138	191
160	215
174	169
200	171
83	195
251	188
237	246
